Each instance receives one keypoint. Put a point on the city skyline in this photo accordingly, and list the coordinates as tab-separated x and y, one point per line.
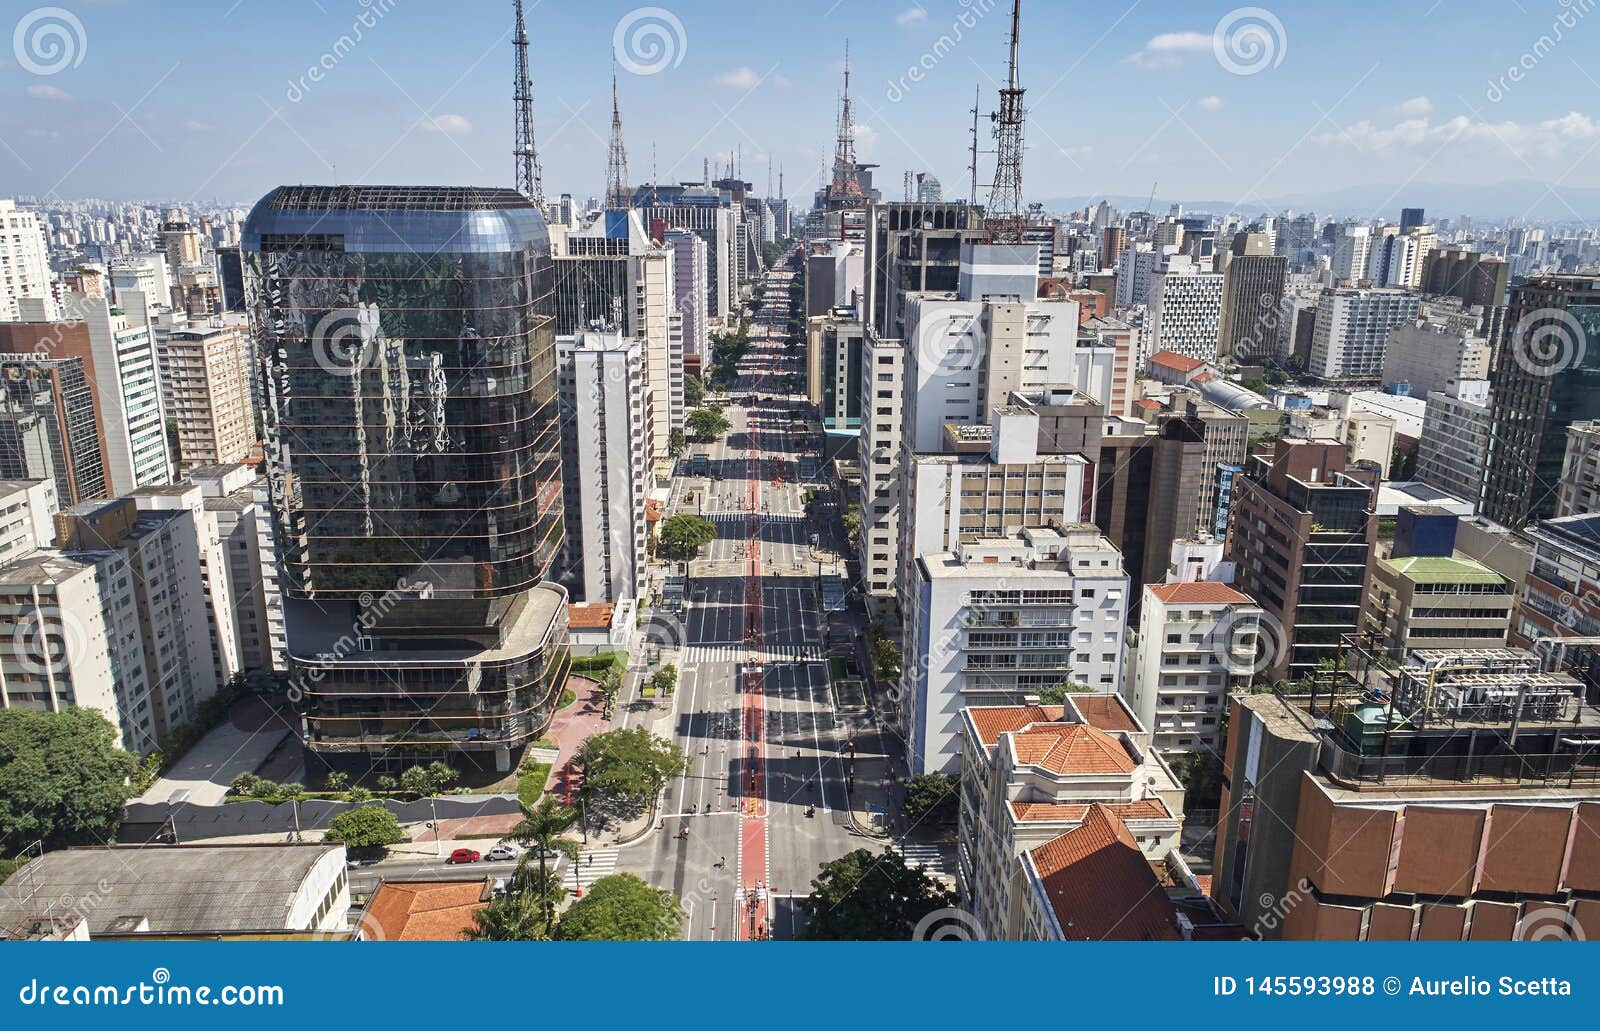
1213	105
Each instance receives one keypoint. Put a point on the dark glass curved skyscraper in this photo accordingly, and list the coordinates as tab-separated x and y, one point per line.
406	352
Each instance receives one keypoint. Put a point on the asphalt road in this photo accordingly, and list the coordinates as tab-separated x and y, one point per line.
755	714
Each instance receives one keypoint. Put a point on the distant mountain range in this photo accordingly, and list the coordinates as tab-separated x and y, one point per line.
1521	199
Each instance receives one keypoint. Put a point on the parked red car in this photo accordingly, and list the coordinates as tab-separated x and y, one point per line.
464	855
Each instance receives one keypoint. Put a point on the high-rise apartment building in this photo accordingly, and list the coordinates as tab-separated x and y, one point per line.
1579	493
24	259
834	371
1252	299
689	288
1196	645
1185	309
1000	619
1477	279
880	452
49	426
1455	440
408	356
205	392
1351	333
1546	378
239	515
1302	529
606	449
1429	355
1352	254
710	214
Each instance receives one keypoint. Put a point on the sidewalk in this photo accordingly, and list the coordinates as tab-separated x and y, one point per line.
570	728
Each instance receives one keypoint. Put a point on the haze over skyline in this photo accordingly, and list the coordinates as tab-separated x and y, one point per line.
1245	106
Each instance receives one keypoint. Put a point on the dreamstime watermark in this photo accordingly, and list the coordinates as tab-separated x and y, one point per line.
373	609
1549	923
1549	341
1245	641
648	40
918	70
318	70
948	339
48	40
157	991
48	647
1248	40
1497	90
948	925
343	341
1275	910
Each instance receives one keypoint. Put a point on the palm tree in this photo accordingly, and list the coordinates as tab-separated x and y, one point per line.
610	685
513	917
540	830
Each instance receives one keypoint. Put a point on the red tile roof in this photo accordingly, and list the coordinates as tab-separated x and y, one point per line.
1001	719
1174	360
652	510
1105	711
1071	748
1201	592
1145	809
1149	404
424	910
589	615
1100	885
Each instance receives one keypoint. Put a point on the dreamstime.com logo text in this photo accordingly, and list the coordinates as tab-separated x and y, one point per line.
158	991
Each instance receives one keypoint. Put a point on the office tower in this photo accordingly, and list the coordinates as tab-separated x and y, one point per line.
835	276
1138	264
1003	618
1352	252
1303	528
1185	309
1477	279
911	248
1579	493
1226	436
230	278
689	288
1252	299
1411	218
1196	646
1468	820
1424	597
1429	355
1113	239
117	351
408	356
1547	377
1069	815
239	516
49	428
24	259
710	214
180	241
1149	488
882	402
176	599
606	453
834	372
1351	332
1395	259
929	189
1455	440
205	392
611	274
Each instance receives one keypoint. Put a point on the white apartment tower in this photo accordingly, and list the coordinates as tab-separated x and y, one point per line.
1351	333
1197	644
24	260
689	287
1186	310
127	392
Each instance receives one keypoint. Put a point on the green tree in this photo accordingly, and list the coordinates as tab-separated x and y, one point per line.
665	680
371	826
864	896
386	783
516	916
932	798
441	777
694	390
336	780
62	778
358	794
609	683
1057	693
683	535
676	442
629	764
622	908
415	779
540	833
705	424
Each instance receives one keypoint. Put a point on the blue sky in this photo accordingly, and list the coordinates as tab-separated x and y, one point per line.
201	99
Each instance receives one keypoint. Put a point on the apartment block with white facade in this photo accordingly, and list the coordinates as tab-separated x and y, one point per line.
1455	440
1351	332
1429	355
24	259
1037	780
205	391
689	287
882	392
240	519
1186	309
127	392
1000	619
606	448
1579	493
1196	645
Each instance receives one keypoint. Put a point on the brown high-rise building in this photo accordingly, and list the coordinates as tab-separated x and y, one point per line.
1474	278
50	424
1302	529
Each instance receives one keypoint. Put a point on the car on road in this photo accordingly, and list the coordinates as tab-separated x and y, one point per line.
504	850
464	855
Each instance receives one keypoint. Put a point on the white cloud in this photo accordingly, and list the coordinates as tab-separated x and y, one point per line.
914	15
743	77
45	91
1168	49
455	125
197	126
865	135
1209	103
1548	139
1076	152
1416	107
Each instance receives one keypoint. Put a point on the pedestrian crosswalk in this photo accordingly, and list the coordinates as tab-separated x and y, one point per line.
927	857
705	653
589	867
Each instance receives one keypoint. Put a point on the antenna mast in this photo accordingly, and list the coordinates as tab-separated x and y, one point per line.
530	177
617	197
1005	198
972	197
846	185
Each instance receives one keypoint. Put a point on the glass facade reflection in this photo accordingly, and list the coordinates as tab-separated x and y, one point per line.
405	353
